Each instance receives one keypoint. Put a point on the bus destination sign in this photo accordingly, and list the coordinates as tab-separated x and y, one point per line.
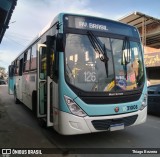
86	23
91	23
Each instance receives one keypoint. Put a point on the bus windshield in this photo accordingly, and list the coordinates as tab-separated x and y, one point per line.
86	68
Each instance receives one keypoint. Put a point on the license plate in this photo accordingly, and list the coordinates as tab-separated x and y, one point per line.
115	127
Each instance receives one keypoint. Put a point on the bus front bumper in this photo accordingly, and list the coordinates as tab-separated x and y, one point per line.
69	124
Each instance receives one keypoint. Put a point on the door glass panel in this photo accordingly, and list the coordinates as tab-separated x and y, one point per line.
42	98
51	103
43	63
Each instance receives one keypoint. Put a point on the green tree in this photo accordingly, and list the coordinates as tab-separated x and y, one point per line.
2	72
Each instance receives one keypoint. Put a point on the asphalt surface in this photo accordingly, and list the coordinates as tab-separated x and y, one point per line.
20	129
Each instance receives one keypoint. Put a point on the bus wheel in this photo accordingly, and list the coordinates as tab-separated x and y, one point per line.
15	97
34	103
42	123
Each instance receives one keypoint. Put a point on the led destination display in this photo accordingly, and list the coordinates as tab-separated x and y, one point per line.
98	24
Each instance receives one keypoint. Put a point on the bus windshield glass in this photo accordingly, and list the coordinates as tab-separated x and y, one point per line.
103	64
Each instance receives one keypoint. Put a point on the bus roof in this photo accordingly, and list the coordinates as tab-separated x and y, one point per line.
60	16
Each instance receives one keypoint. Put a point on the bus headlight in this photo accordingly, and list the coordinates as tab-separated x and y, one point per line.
74	108
144	102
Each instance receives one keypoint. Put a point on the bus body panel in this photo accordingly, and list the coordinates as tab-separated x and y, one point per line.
55	99
18	87
28	86
109	109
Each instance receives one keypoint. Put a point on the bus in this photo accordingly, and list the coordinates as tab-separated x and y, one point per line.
82	74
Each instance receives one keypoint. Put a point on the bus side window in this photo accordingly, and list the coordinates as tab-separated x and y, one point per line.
20	67
16	67
43	63
24	63
11	70
52	57
53	61
34	58
27	56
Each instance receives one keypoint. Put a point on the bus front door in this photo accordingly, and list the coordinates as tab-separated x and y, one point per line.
43	85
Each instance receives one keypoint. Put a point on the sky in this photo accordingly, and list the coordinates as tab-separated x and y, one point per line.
31	16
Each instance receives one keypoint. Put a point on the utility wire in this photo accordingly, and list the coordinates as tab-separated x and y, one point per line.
15	41
19	38
17	34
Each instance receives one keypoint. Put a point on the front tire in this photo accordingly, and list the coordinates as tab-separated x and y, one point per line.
15	97
42	123
34	103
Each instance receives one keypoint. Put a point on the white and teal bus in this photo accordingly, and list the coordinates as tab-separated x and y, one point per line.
82	74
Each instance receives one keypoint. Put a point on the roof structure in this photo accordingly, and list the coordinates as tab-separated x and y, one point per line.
6	10
148	26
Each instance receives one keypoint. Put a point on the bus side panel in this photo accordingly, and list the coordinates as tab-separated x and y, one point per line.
26	98
32	84
55	103
11	85
19	87
28	86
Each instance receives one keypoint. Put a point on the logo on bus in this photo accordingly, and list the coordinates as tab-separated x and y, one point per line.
116	109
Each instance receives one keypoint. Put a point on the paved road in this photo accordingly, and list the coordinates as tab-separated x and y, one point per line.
19	128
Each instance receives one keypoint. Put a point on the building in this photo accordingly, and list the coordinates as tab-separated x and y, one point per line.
149	28
6	10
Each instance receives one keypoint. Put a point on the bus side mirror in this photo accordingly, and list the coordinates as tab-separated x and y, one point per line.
59	42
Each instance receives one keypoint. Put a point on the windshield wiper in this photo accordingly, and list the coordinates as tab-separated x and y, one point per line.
126	55
101	50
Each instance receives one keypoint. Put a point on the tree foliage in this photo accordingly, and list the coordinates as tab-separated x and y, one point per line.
2	73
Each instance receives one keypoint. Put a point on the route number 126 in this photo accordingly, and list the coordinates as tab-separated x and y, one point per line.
89	76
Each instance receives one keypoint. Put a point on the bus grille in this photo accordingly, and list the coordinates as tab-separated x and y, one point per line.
105	124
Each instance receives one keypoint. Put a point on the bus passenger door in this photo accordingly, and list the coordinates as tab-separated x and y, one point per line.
19	85
44	83
11	80
41	81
